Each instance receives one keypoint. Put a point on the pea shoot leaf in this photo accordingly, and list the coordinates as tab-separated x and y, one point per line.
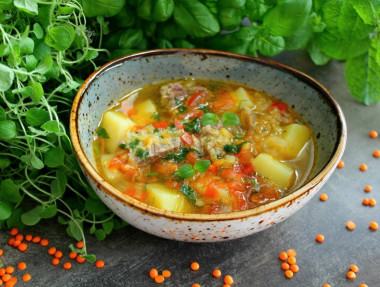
100	234
28	6
186	171
7	130
54	157
32	217
5	210
6	79
230	119
49	212
15	219
36	116
9	191
2	114
202	166
209	119
60	37
51	126
95	206
75	229
108	226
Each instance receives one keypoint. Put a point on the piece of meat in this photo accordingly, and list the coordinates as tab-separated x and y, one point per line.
213	141
172	95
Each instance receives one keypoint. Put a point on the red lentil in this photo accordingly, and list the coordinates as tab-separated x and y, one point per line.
9	269
19	237
292	260
291	252
228	280
289	274
28	237
323	197
340	164
44	242
23	247
99	264
166	273
153	273
14	231
67	265
73	255
350	225
194	266
372	202
354	268
26	277
373	134
294	268
363	167
159	279
217	273
376	153
320	238
55	261
373	225
52	250
283	256
351	275
365	201
21	266
285	266
367	188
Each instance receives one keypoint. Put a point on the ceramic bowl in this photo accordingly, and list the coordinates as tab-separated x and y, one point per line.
122	75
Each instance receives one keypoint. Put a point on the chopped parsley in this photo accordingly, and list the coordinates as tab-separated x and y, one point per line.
233	148
156	116
152	173
189	193
186	171
142	153
193	126
133	144
102	133
180	106
123	146
204	108
156	130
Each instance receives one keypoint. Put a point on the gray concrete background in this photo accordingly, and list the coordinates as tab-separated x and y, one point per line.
129	254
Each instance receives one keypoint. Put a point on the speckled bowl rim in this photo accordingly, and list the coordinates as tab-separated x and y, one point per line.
272	206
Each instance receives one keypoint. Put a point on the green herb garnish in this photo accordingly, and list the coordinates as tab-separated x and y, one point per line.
102	133
156	116
193	126
142	153
186	171
202	166
209	119
133	144
233	148
190	193
204	108
181	108
123	146
230	119
152	173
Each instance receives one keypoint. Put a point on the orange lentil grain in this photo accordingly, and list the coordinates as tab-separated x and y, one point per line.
1	252
326	285
294	268
1	282
52	250
365	201
373	225
341	164
285	266
9	269
19	237
55	261
67	265
289	274
372	202
373	134
80	259
226	285
351	275
228	280
363	167
367	188
2	271
292	260
216	273
23	247
14	231
283	256
159	279
166	273
291	252
58	254
36	239
194	266
354	268
323	197
11	241
16	243
376	153
26	277
80	244
6	277
29	237
320	238
44	242
73	255
99	264
153	273
195	285
363	285
21	266
350	225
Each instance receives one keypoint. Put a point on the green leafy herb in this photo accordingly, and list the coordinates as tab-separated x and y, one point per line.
123	146
209	119
190	194
102	133
193	125
178	157
180	106
202	166
142	153
152	173
156	116
204	108
186	171
133	144
233	148
230	119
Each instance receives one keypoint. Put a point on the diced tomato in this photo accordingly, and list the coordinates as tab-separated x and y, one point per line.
212	190
127	170
195	114
247	169
172	184
137	128
115	162
165	167
223	102
240	198
281	106
160	125
194	99
139	194
229	173
266	194
187	139
213	168
130	191
192	157
178	124
131	112
244	156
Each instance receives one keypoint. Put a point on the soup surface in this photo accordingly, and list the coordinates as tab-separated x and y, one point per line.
203	146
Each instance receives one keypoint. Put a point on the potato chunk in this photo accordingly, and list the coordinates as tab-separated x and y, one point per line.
278	172
243	98
296	136
162	197
116	125
146	108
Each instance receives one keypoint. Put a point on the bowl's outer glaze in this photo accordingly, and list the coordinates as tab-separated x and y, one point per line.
303	93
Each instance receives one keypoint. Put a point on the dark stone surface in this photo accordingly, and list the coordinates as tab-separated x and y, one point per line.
252	261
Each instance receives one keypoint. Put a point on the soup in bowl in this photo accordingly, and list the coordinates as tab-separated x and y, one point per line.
199	145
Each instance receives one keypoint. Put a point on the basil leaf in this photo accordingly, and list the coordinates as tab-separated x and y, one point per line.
202	166
142	153
209	119
230	119
186	171
102	133
269	45
190	193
